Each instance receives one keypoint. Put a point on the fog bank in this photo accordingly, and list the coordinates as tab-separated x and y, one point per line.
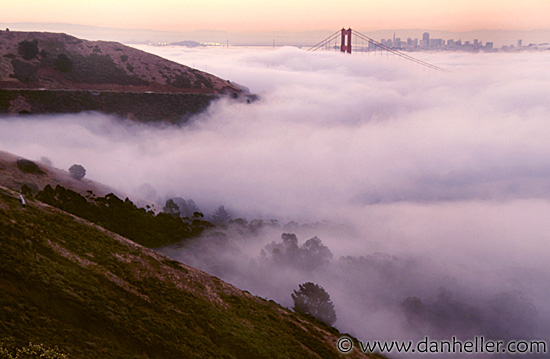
439	182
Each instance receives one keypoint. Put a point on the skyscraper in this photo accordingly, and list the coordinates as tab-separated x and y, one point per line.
425	40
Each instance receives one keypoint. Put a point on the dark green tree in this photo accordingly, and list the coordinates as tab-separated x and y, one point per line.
28	166
313	299
63	63
28	49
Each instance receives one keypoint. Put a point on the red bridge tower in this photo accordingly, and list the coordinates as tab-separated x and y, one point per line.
345	46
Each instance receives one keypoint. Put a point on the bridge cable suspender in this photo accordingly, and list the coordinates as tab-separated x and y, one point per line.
375	44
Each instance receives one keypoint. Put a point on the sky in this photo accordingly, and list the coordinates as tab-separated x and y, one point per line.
286	15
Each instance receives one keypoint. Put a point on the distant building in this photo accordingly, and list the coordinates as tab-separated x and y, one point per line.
436	43
520	43
397	43
426	39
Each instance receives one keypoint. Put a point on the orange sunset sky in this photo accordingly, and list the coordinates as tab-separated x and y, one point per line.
286	15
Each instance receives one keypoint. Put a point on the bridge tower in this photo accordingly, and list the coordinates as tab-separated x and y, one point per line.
345	46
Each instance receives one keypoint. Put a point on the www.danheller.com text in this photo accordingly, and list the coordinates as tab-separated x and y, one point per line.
476	345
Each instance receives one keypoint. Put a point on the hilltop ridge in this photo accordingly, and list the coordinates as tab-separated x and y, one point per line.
43	72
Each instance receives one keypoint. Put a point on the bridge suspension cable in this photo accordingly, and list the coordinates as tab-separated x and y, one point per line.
320	44
399	53
376	44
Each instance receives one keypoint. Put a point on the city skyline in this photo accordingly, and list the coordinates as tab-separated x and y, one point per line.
438	44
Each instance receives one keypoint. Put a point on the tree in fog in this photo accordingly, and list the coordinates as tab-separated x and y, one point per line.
187	207
308	256
220	217
77	171
192	206
171	208
46	161
314	253
313	299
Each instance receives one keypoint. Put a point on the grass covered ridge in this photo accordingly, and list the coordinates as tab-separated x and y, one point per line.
68	283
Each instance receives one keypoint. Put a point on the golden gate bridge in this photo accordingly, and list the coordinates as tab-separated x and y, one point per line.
346	46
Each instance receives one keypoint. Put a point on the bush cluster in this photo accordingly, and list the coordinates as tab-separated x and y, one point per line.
123	217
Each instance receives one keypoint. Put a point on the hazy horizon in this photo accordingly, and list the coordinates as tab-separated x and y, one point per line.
270	38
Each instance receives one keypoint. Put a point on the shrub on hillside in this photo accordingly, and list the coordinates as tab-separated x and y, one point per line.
28	49
8	350
77	171
28	166
23	71
63	63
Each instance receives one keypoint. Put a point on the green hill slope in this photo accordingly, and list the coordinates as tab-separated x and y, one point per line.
68	283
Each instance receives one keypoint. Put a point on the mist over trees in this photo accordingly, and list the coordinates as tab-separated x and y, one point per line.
244	253
140	225
179	207
309	256
447	314
220	216
172	208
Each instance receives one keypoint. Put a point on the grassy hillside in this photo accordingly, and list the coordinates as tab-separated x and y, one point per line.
133	219
94	294
12	176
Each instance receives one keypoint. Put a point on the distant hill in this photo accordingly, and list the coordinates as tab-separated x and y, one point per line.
186	43
94	294
44	72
